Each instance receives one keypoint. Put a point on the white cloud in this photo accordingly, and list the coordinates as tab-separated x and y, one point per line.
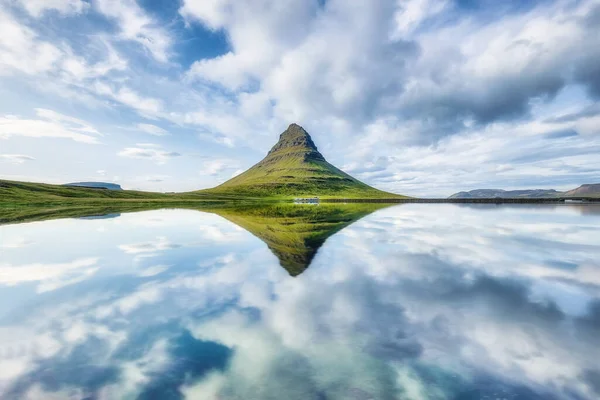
153	270
394	73
149	153
388	302
371	80
152	129
77	68
37	7
412	13
217	166
136	25
15	243
160	244
48	276
16	158
49	125
22	51
147	106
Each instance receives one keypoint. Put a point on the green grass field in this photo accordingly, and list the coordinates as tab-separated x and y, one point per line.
23	201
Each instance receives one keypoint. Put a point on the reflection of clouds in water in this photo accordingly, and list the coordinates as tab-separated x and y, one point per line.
391	309
521	241
48	276
161	243
15	243
153	270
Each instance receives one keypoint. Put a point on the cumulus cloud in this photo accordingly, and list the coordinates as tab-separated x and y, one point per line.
376	82
503	155
413	73
490	71
288	47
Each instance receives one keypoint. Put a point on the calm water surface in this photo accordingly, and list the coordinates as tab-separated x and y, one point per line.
415	301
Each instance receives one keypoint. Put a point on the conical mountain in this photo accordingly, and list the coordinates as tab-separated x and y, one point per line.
295	168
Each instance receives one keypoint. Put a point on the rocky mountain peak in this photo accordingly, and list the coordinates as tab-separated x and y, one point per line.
294	136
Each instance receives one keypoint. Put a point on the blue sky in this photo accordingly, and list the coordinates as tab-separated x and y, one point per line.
421	97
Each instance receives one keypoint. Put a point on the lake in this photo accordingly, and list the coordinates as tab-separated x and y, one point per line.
412	301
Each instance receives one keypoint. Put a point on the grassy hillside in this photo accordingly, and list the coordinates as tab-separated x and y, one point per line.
21	201
295	168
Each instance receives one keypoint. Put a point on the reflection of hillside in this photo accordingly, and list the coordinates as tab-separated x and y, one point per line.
294	233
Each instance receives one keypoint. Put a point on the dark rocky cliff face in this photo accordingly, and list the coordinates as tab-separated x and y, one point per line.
295	141
294	136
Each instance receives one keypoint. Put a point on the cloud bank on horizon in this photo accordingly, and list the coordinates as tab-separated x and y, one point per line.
420	97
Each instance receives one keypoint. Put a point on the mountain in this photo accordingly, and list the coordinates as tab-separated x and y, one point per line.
493	193
96	185
294	167
589	190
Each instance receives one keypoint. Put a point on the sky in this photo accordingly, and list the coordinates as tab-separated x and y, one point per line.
418	97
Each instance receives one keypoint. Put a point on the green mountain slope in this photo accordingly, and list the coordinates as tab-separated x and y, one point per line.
295	168
22	201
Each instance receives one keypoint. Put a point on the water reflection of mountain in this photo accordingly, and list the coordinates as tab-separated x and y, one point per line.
294	233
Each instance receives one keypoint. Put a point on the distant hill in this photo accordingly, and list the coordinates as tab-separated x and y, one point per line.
493	193
96	185
295	168
588	190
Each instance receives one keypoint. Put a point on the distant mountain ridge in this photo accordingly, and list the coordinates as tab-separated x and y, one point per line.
587	190
592	189
294	167
493	193
96	185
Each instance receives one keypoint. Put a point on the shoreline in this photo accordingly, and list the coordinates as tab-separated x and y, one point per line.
561	200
